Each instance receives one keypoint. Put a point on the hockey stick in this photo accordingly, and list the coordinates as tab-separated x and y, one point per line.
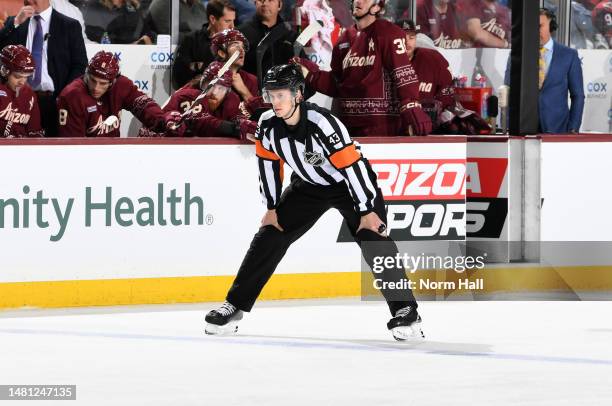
7	129
228	64
270	38
309	32
213	82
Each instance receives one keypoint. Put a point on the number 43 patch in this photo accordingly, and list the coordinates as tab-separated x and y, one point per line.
333	138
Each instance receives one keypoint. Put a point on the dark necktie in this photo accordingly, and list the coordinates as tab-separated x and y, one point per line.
37	50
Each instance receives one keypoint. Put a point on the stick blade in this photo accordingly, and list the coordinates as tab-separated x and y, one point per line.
309	32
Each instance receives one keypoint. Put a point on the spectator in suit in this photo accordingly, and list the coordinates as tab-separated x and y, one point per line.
560	73
265	20
57	47
193	54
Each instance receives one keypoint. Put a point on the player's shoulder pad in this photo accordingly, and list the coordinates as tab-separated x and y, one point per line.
232	96
346	37
433	54
75	93
123	80
123	85
187	92
386	30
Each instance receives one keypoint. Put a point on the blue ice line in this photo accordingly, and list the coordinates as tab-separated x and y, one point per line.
236	340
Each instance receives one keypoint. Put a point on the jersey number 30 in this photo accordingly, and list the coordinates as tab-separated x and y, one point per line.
400	43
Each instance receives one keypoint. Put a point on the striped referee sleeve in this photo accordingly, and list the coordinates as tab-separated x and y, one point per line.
344	156
270	167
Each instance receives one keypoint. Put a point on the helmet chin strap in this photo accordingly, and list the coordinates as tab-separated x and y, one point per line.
295	107
369	13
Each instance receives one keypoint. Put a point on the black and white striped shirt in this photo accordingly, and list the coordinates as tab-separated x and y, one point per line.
319	150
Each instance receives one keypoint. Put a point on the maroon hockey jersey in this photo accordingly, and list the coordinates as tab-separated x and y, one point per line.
442	28
371	78
435	78
495	18
202	122
19	113
250	81
80	115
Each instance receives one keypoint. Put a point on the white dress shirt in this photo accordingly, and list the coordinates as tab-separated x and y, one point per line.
550	45
46	83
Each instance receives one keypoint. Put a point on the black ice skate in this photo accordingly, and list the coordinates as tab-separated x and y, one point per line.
406	325
223	320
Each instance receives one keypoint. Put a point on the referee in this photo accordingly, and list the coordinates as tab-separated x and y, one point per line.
328	172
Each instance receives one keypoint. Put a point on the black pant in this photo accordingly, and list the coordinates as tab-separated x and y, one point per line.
300	206
48	113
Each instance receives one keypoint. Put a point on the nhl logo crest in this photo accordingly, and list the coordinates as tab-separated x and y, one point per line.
313	158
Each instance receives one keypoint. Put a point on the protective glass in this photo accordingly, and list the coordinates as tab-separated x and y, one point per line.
278	96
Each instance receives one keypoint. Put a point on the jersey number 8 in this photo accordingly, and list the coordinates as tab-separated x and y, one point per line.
63	116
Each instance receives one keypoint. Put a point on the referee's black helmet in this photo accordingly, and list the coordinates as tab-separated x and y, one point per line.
284	77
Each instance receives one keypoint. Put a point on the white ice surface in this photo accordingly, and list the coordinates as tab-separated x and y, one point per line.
328	352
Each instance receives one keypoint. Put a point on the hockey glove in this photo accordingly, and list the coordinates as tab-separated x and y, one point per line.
246	129
414	120
253	106
470	123
307	64
172	119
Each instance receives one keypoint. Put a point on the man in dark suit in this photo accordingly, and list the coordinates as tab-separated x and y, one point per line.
58	50
560	73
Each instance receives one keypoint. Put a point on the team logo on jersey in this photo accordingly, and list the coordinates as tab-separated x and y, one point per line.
91	109
314	158
425	87
101	129
494	28
444	41
2	93
352	60
371	45
12	115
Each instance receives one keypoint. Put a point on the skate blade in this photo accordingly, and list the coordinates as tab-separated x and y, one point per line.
228	330
408	333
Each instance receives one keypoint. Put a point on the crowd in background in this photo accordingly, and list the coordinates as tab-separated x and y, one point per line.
447	23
